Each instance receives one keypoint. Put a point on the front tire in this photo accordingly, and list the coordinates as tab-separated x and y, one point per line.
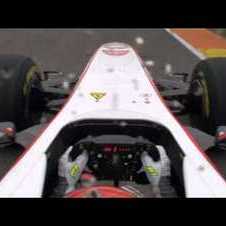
207	95
17	75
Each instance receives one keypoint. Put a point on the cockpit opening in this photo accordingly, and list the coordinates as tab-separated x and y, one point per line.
114	158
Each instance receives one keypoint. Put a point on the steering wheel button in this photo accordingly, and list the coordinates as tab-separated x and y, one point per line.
95	166
99	156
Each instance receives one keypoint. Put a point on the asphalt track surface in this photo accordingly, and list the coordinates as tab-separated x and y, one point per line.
69	51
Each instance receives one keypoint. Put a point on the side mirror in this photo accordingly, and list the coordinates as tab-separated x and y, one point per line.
220	138
7	134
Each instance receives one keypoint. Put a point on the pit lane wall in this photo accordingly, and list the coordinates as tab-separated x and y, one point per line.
204	41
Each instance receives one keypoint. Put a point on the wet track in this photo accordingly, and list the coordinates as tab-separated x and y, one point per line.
69	51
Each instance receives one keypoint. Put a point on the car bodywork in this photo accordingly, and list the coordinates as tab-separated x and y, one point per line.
115	85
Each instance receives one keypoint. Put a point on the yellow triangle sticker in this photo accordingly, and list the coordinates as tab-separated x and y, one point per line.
97	95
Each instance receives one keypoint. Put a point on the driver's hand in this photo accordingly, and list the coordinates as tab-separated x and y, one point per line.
71	170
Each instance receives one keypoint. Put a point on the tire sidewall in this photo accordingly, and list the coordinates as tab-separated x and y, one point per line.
16	76
211	112
27	74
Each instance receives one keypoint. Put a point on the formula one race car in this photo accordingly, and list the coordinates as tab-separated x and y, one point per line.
114	132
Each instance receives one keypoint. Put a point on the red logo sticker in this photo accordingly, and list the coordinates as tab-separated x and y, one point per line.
116	52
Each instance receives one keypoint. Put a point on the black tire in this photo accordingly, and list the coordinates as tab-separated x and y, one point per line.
17	74
208	95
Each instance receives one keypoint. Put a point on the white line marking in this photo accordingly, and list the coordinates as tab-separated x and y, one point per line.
187	45
149	63
168	69
139	40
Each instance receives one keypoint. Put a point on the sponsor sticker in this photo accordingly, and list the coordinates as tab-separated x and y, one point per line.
151	170
116	49
74	170
205	99
115	52
29	77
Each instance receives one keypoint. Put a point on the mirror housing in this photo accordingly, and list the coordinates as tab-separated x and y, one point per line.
220	138
7	134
